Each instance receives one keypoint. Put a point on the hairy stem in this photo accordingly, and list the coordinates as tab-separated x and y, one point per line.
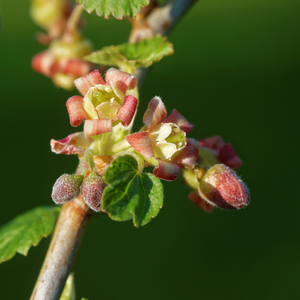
69	231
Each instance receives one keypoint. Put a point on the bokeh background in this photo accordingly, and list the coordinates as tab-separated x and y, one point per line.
235	72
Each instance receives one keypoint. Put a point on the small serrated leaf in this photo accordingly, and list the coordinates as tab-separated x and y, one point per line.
134	55
118	8
26	230
131	194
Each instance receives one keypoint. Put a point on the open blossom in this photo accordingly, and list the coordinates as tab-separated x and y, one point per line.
214	151
104	105
164	139
63	61
77	144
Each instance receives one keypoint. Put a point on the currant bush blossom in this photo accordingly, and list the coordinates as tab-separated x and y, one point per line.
63	61
164	139
213	151
104	105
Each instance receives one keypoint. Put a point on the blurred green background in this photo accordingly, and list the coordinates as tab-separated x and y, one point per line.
235	72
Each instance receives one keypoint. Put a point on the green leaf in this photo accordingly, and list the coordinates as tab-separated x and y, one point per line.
131	194
118	8
26	230
69	289
140	54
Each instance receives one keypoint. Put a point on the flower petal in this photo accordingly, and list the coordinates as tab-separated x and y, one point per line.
75	143
96	127
76	67
155	113
188	155
229	157
178	119
88	104
84	83
108	109
76	111
42	63
122	80
128	109
213	142
200	202
164	150
140	141
166	170
160	132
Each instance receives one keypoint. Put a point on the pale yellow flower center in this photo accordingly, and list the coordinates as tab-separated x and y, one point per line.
167	139
103	102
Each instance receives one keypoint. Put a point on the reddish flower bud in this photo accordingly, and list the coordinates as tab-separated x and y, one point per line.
66	188
221	186
92	190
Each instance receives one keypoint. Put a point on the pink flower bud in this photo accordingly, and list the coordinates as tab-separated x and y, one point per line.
92	190
66	188
221	186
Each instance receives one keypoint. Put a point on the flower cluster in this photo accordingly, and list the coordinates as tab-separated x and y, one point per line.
108	109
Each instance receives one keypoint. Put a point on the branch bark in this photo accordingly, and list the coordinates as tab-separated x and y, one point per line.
69	231
161	20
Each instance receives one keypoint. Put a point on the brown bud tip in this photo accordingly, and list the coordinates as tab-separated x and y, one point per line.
66	188
92	190
221	186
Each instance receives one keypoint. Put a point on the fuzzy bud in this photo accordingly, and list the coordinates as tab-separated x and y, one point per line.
221	186
92	190
66	188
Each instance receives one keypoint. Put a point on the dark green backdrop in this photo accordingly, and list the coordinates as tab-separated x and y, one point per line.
235	72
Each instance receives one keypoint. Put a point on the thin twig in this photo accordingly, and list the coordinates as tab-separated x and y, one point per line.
69	231
161	20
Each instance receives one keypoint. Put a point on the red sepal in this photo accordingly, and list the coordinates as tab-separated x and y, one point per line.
84	83
200	202
229	157
96	127
76	111
140	141
127	110
178	119
166	170
189	154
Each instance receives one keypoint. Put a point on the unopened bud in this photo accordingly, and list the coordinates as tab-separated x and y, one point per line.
221	186
92	190
66	188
